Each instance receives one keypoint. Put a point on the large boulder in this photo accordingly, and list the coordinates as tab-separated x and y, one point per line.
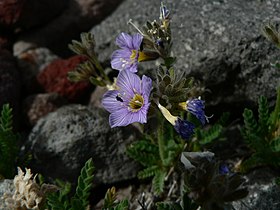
9	82
64	23
64	140
217	42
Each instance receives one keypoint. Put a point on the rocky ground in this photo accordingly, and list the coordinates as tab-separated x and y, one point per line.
62	124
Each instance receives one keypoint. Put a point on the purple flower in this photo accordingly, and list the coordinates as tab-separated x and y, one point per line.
164	12
130	102
223	169
129	55
196	107
184	128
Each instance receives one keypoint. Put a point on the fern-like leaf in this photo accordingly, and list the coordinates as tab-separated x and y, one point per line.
275	145
148	172
84	184
110	198
263	111
144	152
158	182
168	206
122	205
251	126
8	143
6	119
252	162
59	200
208	136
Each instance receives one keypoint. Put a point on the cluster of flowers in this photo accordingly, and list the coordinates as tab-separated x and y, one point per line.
128	100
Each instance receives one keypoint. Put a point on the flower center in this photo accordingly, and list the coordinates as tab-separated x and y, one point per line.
139	56
136	102
134	54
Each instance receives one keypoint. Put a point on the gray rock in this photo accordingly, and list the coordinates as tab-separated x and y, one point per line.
6	187
64	140
263	192
78	16
30	63
218	42
9	82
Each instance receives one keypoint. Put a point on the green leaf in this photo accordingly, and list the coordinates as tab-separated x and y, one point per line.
168	206
208	136
97	81
8	143
144	152
252	162
251	126
263	111
188	203
6	119
110	198
148	172
122	205
158	182
275	145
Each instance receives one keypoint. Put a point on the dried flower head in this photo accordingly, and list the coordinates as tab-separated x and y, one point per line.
28	194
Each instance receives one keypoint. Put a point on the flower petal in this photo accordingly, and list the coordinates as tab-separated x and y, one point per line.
110	102
136	41
184	128
129	83
146	85
124	117
119	118
196	107
120	59
124	40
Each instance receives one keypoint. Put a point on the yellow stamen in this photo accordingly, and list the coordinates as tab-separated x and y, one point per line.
133	54
141	56
183	105
136	103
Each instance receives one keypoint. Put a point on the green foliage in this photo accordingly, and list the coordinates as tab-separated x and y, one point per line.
157	157
205	137
207	184
84	186
8	143
185	204
79	201
262	135
271	32
172	87
110	202
90	70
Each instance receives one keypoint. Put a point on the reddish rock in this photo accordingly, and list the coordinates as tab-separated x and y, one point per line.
54	79
10	11
30	63
38	106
